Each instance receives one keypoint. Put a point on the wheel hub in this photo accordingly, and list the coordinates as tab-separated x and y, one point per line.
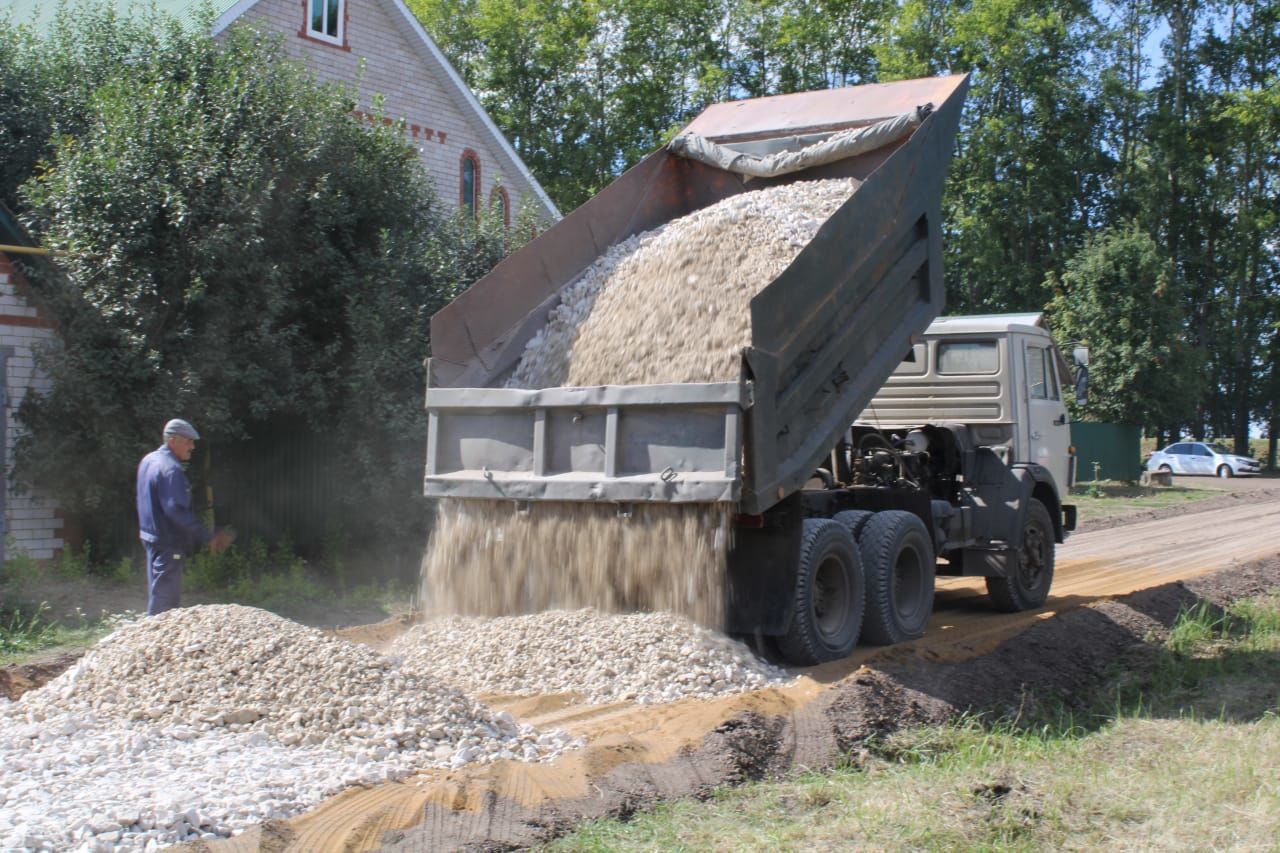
830	598
1031	558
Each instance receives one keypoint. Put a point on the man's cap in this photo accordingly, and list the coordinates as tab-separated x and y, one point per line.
178	426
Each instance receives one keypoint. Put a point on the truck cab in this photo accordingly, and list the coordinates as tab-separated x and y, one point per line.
1000	374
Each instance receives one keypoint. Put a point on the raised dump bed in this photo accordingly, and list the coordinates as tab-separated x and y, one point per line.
825	333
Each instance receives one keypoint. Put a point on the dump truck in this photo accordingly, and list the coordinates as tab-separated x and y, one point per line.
845	507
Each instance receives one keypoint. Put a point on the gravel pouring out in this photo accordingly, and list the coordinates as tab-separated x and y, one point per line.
204	720
486	559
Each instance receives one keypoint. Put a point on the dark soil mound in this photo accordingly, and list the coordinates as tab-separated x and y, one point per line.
1058	660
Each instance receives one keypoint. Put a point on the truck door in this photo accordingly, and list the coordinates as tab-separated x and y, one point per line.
1047	427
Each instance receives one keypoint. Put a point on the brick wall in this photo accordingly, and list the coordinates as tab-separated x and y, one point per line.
32	522
397	67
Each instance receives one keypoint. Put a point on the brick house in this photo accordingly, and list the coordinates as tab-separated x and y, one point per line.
380	50
29	523
468	158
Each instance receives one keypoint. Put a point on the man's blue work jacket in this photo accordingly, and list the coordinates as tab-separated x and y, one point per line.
165	515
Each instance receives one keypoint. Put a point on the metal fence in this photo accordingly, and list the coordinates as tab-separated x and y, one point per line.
278	484
1115	450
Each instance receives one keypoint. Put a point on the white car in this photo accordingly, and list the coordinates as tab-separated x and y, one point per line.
1201	457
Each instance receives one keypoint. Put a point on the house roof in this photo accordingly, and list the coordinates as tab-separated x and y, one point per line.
40	13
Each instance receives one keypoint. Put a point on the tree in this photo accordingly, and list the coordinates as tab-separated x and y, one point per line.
1119	296
535	65
1026	178
236	248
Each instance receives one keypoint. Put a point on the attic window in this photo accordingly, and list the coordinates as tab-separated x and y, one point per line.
325	20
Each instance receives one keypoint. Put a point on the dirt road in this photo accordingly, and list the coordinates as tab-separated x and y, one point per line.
638	754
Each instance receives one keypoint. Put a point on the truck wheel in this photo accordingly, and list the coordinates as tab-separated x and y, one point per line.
853	520
898	555
829	596
1028	586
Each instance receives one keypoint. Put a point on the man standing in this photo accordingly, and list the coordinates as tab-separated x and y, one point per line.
168	526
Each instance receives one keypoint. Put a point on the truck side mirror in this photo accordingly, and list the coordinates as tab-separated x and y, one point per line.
1081	357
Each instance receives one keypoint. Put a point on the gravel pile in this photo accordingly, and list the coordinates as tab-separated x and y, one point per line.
204	720
672	304
641	657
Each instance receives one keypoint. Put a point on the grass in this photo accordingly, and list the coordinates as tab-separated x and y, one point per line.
43	603
27	631
29	627
1108	498
1179	756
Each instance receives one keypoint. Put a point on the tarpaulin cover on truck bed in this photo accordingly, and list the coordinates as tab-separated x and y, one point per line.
838	146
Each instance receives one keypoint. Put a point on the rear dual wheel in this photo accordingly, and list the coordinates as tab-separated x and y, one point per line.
897	552
829	596
861	574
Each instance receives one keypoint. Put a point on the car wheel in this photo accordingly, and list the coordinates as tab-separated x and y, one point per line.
1225	471
1166	469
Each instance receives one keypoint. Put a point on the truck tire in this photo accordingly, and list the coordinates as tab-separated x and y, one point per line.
1032	571
897	553
853	520
829	596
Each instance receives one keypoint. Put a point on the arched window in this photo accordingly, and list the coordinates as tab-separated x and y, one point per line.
500	203
469	192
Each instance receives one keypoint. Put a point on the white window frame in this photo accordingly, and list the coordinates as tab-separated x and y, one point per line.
321	35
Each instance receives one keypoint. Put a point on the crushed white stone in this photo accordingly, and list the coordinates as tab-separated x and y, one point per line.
673	304
204	720
641	657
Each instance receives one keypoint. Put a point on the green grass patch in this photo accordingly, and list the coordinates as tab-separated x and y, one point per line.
277	579
1180	755
1106	499
28	630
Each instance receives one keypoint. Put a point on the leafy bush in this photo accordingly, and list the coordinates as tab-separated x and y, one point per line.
256	574
233	247
18	569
